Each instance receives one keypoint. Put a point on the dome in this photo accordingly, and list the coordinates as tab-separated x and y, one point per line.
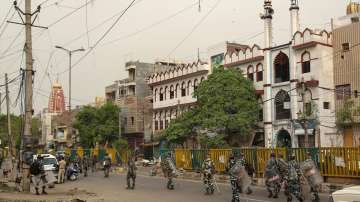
353	8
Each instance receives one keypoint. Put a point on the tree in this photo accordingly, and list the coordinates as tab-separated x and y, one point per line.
227	101
345	115
98	125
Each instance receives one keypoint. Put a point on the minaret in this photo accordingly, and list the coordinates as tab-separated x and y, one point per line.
294	66
267	17
294	17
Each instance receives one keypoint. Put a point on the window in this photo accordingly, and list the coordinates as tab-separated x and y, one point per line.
155	94
156	125
345	47
259	72
171	92
166	123
282	105
261	114
183	90
326	105
282	69
161	95
165	92
132	120
250	73
343	91
188	87
176	90
306	62
161	124
195	84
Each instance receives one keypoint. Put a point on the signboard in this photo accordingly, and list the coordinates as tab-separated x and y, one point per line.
287	105
217	60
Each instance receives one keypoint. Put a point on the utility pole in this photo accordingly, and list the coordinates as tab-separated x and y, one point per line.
8	117
26	150
70	53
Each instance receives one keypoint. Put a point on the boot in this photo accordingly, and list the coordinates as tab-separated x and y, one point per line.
270	195
37	191
43	191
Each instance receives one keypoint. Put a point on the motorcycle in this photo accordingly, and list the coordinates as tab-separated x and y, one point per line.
72	173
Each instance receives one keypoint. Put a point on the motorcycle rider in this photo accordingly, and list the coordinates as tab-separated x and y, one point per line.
107	165
208	169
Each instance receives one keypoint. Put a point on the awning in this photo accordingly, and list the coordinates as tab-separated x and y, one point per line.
298	130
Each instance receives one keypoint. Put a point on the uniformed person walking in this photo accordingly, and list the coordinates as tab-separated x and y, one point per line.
38	175
131	173
312	176
169	171
272	178
245	165
233	179
293	180
208	170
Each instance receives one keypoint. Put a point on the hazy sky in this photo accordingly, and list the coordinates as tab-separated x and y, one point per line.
150	30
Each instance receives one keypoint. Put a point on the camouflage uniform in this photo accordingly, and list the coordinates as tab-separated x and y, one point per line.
169	171
242	162
233	180
131	174
313	178
208	169
272	178
292	181
282	168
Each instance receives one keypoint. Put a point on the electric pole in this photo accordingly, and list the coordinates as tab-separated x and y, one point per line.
8	117
70	53
26	150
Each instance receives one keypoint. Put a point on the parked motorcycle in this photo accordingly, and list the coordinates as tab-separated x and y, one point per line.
73	172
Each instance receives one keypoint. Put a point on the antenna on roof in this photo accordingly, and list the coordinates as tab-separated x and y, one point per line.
199	5
198	54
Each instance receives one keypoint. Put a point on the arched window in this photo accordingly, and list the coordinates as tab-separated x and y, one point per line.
259	72
161	95
155	94
161	121
250	73
176	90
195	84
282	105
172	92
165	92
183	89
156	123
282	69
306	62
189	87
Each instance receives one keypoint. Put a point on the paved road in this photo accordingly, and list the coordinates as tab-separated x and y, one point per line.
148	189
152	189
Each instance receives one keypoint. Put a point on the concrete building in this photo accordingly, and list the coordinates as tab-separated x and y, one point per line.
130	95
278	71
346	58
172	91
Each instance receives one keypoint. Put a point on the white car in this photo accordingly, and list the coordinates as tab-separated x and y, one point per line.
349	194
51	167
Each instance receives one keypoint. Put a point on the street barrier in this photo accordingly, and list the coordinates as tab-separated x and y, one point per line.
220	158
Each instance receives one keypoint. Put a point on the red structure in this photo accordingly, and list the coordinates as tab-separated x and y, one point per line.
57	99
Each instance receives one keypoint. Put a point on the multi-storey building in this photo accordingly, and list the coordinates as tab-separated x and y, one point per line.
346	41
278	71
172	91
129	94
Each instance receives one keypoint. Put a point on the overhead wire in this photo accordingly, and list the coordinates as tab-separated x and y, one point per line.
194	28
102	37
87	24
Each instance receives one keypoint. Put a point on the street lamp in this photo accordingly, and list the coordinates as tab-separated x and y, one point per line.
70	52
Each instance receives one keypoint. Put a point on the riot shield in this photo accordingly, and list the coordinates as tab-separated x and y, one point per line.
239	171
311	173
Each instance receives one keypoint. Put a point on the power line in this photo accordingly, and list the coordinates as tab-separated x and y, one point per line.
194	28
103	36
152	25
12	43
87	24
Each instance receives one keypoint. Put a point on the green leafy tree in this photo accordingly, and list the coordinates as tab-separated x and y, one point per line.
98	125
345	115
227	102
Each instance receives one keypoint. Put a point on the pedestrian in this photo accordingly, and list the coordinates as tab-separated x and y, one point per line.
131	173
107	165
38	175
313	178
272	178
248	169
93	163
233	179
169	171
293	180
62	168
208	170
85	164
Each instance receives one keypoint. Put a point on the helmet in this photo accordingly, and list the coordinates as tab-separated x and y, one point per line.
273	154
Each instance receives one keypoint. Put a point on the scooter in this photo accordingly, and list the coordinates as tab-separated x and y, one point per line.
72	173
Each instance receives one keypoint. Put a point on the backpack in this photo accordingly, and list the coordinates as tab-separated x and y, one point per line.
35	168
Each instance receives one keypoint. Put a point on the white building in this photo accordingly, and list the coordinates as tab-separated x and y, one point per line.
278	71
173	91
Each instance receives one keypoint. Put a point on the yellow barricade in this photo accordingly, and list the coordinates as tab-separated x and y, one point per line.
340	162
80	152
220	158
183	158
263	155
112	153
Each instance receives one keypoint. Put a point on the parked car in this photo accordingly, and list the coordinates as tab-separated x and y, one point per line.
51	167
349	194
